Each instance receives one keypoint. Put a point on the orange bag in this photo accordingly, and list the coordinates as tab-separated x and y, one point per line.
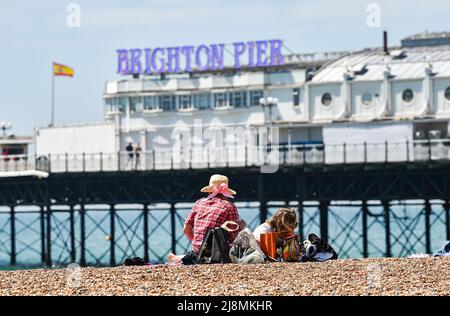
268	243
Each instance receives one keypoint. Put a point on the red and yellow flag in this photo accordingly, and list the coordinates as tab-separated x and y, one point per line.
62	70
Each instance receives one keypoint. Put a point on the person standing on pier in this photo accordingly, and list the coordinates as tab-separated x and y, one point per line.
208	213
130	152
137	152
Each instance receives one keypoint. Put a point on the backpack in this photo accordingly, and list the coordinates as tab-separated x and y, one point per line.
215	247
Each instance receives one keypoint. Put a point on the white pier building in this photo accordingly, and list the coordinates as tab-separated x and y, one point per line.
381	104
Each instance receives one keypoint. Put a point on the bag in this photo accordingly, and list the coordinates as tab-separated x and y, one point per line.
268	244
444	250
136	261
289	249
190	258
245	249
317	249
215	247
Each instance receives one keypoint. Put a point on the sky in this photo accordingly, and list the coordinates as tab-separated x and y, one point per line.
33	34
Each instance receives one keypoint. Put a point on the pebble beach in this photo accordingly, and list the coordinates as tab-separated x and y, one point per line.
386	276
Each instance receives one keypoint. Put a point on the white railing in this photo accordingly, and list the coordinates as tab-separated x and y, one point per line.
211	157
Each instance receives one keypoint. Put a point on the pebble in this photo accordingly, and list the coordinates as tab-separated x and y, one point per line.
393	276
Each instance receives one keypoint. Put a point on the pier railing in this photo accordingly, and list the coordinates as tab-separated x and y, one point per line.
233	156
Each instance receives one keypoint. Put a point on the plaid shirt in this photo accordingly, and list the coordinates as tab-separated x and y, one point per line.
211	213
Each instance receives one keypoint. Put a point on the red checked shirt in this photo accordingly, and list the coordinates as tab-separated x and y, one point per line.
211	213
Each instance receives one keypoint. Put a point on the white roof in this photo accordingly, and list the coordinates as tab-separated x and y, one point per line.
427	35
411	66
15	140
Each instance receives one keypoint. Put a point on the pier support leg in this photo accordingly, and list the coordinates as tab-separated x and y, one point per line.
387	222
82	236
72	235
300	221
112	249
173	227
145	214
365	212
299	197
323	207
48	257
427	226
42	224
447	218
83	226
262	200
13	236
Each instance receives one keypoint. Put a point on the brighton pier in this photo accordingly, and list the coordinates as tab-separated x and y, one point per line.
203	57
95	216
363	154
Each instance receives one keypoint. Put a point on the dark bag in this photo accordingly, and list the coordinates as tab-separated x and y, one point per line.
136	261
317	249
189	258
215	247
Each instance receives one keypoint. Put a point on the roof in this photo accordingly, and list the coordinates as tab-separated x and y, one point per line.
74	125
403	63
16	140
427	34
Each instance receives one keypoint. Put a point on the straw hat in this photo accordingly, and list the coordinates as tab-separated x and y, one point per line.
216	180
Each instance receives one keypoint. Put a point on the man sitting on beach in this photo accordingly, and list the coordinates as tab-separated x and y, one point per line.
208	213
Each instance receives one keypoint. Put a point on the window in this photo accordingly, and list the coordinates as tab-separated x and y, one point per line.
109	105
135	104
326	99
296	96
220	100
366	98
116	104
408	95
121	103
447	93
184	102
202	101
151	103
238	98
167	102
255	95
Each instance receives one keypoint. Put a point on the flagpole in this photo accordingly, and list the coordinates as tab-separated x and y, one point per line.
53	95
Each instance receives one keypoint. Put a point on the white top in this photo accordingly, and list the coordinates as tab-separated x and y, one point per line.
264	228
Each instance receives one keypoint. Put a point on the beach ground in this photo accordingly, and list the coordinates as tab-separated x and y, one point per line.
387	276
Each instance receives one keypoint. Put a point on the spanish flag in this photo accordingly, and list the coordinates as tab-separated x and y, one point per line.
62	70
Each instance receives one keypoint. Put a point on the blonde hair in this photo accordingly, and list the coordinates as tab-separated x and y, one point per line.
283	221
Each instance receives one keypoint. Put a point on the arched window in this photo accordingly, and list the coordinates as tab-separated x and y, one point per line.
367	98
408	95
447	93
326	99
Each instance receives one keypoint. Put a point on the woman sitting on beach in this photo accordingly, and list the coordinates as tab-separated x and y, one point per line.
283	222
209	212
